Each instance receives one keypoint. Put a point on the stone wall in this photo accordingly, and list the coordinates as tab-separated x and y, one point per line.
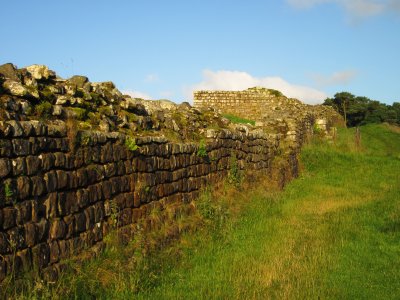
269	108
56	201
67	172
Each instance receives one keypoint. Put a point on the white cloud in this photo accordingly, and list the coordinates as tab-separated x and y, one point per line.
151	78
355	8
137	94
337	78
306	3
237	81
166	94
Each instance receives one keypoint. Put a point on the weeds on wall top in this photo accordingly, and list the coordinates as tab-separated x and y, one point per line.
202	151
235	175
130	144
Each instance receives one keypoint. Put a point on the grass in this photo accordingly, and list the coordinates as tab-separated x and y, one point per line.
332	233
239	120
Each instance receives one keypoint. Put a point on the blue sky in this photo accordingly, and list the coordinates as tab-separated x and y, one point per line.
309	49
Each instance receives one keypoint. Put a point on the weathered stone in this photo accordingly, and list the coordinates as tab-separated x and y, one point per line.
42	230
80	222
89	216
31	231
82	197
62	178
82	177
40	72
59	160
77	81
3	268
4	244
57	229
5	167
51	204
98	212
41	255
50	178
9	217
38	186
106	189
16	237
24	212
10	71
20	147
57	110
54	252
48	161
33	165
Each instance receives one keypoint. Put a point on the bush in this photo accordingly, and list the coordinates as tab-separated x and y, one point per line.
235	175
202	151
130	144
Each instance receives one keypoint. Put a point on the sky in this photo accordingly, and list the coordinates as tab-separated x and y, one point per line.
160	49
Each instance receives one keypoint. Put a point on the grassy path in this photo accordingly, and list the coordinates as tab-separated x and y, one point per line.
333	233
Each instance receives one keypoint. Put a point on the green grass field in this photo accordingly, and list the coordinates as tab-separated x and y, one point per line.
333	233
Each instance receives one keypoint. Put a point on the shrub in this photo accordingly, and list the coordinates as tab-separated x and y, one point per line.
202	151
130	144
235	175
8	191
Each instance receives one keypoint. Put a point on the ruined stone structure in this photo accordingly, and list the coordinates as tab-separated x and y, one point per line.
270	108
74	155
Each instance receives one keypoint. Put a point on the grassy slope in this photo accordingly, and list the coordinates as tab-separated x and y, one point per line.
333	233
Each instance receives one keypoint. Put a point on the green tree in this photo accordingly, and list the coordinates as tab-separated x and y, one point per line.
341	102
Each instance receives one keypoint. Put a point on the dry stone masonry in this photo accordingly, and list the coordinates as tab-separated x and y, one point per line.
74	155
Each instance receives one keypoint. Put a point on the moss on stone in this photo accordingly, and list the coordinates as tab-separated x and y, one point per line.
44	109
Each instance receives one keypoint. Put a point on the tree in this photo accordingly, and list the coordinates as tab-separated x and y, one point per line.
341	103
362	110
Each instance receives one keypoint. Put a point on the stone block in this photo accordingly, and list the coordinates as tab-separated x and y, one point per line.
95	192
16	238
80	222
82	177
98	212
31	234
20	147
50	179
42	230
89	216
24	212
4	244
5	167
48	161
59	161
25	259
9	216
41	255
24	187
38	186
62	179
57	229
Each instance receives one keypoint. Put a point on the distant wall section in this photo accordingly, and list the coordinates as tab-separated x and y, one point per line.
253	103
